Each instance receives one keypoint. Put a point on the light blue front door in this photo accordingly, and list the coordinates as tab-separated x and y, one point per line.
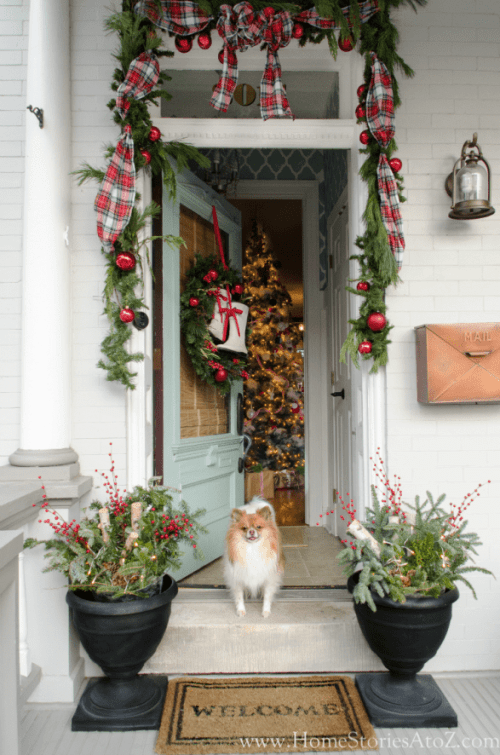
201	443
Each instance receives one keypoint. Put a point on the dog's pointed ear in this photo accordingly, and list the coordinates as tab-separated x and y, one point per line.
236	515
265	512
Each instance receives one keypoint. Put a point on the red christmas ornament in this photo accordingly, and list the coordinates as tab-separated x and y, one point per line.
298	31
238	289
213	274
376	321
365	347
364	137
125	261
221	375
345	45
204	40
194	301
154	134
127	315
232	59
269	12
183	44
146	155
395	164
360	112
360	90
295	408
363	286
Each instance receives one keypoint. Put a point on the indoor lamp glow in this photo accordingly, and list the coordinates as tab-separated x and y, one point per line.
469	185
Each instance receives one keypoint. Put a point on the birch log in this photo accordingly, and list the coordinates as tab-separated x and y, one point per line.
131	540
136	511
104	522
361	533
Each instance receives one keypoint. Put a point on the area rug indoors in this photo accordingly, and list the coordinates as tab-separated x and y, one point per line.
263	714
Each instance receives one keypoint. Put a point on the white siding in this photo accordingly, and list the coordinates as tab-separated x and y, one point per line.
450	275
13	50
98	405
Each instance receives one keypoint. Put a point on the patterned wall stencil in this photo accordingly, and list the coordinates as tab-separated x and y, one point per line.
328	167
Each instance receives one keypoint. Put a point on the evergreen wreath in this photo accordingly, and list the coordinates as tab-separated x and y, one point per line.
124	289
217	368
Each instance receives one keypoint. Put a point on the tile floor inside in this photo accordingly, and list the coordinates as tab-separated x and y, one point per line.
311	561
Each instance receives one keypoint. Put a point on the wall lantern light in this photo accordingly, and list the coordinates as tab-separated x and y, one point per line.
469	185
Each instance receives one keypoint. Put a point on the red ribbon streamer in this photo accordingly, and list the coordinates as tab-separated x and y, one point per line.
229	311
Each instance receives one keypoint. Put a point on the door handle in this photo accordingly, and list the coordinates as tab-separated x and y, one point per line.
239	414
339	393
247	442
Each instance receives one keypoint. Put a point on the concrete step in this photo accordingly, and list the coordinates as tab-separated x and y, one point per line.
308	631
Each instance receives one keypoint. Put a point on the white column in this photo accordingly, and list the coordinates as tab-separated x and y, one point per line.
45	402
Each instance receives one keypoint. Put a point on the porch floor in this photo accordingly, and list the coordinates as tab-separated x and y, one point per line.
311	561
46	729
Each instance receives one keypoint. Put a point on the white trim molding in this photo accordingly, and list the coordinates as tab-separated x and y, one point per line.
140	400
245	133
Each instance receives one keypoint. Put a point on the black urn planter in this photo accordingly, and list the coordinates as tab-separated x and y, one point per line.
120	637
405	636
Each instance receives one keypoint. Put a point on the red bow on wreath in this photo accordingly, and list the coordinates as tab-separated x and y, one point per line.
380	119
230	311
241	27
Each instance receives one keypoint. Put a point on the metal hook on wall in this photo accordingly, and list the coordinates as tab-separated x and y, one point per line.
38	111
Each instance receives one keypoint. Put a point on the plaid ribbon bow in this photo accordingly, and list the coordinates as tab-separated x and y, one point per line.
367	9
380	119
241	27
142	75
182	17
116	197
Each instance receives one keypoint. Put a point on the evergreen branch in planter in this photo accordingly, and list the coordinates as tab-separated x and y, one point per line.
403	549
122	547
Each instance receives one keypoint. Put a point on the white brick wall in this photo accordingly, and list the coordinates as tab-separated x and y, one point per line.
13	46
450	274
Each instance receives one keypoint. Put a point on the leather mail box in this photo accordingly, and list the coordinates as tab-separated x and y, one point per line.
458	364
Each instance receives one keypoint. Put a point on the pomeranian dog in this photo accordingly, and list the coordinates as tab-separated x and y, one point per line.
254	561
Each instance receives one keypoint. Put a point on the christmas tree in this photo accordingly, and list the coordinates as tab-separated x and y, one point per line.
274	405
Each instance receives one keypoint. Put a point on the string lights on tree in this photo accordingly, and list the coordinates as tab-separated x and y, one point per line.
274	404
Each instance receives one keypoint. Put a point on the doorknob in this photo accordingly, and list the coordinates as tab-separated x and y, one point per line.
239	414
247	442
339	393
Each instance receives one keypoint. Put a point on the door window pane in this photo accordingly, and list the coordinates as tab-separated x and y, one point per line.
203	410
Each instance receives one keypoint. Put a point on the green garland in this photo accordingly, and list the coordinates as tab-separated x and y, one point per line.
126	288
377	265
207	361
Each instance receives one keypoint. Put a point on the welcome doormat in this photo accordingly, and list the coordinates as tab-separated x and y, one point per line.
263	714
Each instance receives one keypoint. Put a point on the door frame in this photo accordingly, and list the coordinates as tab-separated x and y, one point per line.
371	413
314	380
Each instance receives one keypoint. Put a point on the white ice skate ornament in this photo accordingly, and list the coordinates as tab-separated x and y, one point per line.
229	322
